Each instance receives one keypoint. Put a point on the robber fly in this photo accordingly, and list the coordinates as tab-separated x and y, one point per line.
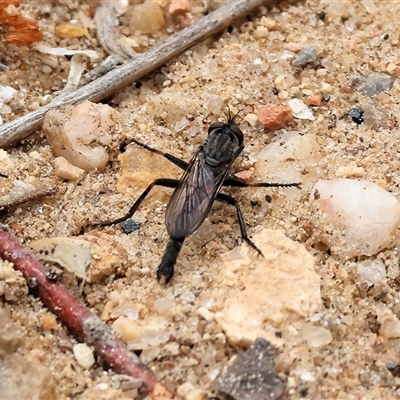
198	188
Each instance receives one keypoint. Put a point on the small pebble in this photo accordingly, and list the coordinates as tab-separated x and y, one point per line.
373	83
205	313
300	110
357	115
316	336
251	119
49	322
274	116
374	117
6	94
325	97
373	271
246	175
261	32
268	23
129	225
315	100
349	170
184	389
307	55
127	329
46	69
390	327
326	88
83	355
65	170
179	7
394	368
69	31
148	17
251	376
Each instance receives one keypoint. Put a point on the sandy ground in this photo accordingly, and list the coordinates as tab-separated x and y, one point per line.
171	109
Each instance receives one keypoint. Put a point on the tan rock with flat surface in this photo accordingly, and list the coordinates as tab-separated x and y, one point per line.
266	294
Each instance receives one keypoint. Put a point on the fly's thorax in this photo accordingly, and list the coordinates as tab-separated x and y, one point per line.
221	147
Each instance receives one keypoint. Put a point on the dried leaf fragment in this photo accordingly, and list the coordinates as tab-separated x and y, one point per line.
16	29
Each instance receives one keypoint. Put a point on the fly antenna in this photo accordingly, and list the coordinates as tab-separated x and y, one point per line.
230	118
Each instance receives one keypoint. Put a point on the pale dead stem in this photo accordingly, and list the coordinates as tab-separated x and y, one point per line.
133	69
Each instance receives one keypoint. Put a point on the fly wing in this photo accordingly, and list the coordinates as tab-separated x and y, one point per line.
193	197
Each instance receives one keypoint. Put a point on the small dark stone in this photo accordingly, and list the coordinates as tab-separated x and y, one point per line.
268	198
275	91
53	274
394	368
381	295
255	203
138	85
321	15
386	36
357	115
303	392
325	97
129	225
373	83
252	375
32	282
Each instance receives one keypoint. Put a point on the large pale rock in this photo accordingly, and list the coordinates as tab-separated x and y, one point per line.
355	217
264	295
85	135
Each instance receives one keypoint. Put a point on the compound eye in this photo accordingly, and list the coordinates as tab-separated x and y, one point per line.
237	132
216	125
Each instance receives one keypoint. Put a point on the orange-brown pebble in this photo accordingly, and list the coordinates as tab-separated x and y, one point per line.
69	31
179	7
49	322
274	116
180	10
315	100
246	175
346	88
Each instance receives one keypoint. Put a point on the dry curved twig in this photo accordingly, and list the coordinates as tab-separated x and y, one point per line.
79	320
134	69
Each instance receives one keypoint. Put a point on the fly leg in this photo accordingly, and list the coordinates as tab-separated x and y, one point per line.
165	270
243	231
237	182
171	183
175	160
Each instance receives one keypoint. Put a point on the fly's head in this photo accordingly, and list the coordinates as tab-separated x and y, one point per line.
224	142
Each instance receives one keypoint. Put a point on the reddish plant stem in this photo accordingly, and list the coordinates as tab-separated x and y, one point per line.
79	320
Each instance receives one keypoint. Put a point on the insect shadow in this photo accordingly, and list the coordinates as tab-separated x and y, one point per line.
198	188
